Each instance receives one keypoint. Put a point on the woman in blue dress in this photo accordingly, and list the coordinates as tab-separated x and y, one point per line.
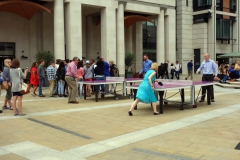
145	91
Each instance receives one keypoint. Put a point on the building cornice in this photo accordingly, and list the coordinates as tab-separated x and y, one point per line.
148	4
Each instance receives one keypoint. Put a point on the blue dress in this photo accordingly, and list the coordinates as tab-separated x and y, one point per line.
145	93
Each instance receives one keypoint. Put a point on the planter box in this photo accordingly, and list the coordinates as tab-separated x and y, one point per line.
46	82
128	75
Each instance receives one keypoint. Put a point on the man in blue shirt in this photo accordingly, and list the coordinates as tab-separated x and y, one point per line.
233	74
106	68
209	68
146	64
190	67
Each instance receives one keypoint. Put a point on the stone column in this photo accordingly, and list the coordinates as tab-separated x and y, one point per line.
59	44
160	38
170	35
129	40
120	40
139	46
74	30
108	34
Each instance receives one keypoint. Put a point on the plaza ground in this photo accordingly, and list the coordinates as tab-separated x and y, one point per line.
54	129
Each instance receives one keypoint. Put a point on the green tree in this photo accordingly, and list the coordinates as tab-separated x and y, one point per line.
129	60
47	56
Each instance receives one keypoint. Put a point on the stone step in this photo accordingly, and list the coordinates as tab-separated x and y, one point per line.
225	85
234	83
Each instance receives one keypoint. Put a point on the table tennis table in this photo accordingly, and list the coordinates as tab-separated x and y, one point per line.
110	80
179	85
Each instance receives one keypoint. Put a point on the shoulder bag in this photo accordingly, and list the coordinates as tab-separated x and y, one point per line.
24	88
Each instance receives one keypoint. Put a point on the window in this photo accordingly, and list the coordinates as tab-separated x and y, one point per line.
199	5
224	29
7	49
233	4
186	2
226	6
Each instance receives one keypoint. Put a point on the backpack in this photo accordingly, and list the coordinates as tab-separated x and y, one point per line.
115	71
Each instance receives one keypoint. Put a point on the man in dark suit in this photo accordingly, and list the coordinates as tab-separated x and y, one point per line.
166	68
161	71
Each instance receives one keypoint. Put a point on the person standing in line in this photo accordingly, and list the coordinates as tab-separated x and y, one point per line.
166	69
146	65
34	80
106	68
41	77
177	69
88	75
99	74
6	77
51	73
61	79
113	73
71	77
190	70
145	91
209	68
161	71
65	86
80	72
172	70
17	77
93	65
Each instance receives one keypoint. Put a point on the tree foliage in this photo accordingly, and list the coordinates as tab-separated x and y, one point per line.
46	56
129	60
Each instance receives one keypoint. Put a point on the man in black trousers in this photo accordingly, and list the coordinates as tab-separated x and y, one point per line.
166	68
209	68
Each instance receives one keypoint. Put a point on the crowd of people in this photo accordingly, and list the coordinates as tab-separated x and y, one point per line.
63	77
229	72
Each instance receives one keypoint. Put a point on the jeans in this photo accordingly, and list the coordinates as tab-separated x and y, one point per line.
61	85
177	74
80	87
40	87
102	85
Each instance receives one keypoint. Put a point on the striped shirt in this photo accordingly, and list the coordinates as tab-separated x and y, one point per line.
51	73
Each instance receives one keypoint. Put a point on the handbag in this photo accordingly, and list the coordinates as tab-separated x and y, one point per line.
24	88
4	84
237	67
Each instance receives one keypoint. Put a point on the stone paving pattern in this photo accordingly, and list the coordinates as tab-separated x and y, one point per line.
208	140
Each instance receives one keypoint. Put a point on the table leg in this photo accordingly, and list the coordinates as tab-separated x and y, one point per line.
208	95
182	98
96	93
161	93
85	91
134	97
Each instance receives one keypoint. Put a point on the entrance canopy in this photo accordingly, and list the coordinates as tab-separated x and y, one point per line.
231	55
22	8
132	19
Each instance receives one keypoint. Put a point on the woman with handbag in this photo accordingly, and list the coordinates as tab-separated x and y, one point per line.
7	84
16	77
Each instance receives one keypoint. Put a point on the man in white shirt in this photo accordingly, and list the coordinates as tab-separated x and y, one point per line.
177	68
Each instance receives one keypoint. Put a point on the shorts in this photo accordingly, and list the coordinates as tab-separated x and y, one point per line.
17	94
88	79
9	93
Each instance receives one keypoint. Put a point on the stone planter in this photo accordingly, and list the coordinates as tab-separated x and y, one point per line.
129	75
46	82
